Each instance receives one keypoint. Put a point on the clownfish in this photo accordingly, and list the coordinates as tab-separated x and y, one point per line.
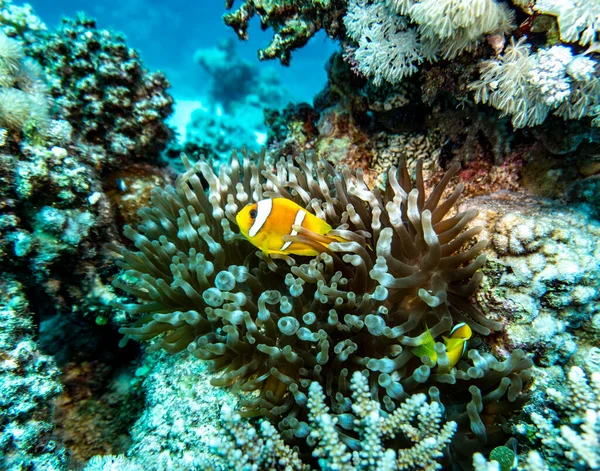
456	344
265	223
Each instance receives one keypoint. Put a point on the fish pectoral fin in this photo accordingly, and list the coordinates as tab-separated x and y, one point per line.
264	247
454	344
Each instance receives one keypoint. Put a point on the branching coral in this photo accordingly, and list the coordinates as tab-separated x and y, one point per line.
416	420
578	438
294	22
241	446
394	36
568	425
274	327
527	86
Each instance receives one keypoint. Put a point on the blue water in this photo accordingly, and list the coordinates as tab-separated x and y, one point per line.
168	33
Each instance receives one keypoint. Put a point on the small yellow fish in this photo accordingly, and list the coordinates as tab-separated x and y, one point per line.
265	223
456	344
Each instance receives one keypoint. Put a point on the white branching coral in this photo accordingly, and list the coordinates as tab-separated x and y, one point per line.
505	85
457	25
417	420
241	446
401	6
395	36
387	50
578	20
527	86
578	438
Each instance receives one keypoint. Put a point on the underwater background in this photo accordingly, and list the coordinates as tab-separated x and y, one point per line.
292	235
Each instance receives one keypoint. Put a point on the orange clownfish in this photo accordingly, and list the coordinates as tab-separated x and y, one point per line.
456	344
265	223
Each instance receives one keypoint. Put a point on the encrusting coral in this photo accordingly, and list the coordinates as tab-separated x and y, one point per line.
272	326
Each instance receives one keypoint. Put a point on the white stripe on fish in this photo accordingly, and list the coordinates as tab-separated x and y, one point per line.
297	222
263	211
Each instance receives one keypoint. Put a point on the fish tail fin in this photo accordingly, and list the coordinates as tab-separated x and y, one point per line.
426	347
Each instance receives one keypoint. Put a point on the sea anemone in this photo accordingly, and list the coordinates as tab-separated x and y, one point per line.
272	326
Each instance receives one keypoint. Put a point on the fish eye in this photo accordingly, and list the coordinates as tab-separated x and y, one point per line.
253	213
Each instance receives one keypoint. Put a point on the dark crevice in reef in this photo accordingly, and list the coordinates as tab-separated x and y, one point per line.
101	397
97	408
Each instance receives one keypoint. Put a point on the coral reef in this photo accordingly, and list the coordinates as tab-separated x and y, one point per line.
101	88
567	432
321	357
24	99
545	267
30	380
358	306
293	22
56	212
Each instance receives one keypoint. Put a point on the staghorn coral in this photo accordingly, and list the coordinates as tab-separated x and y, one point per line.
272	326
241	446
29	381
418	421
568	426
